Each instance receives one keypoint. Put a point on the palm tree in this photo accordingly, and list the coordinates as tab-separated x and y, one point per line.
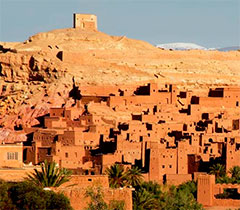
157	192
50	175
116	176
144	200
190	186
224	179
235	173
134	176
152	187
218	170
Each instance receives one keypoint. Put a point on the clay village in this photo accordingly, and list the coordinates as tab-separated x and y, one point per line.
172	133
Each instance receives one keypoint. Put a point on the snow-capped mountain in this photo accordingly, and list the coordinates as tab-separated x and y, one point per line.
181	46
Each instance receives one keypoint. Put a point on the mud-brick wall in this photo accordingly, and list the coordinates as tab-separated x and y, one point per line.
80	202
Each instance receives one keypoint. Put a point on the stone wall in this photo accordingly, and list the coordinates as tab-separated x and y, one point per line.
226	202
177	179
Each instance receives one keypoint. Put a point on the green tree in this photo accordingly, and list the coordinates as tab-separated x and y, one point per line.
235	174
144	200
180	199
5	201
224	179
116	176
150	195
148	191
155	189
218	170
50	175
57	201
25	195
134	176
152	187
190	186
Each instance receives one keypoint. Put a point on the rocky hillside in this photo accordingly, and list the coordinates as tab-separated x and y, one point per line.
37	74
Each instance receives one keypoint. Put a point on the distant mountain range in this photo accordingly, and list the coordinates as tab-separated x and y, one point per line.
193	46
225	49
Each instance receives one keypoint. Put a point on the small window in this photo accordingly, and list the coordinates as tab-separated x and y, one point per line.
163	166
12	156
16	155
170	166
66	155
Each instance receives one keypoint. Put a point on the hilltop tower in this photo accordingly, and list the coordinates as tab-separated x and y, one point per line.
85	21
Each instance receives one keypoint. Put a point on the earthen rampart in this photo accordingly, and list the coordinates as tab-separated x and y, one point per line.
207	190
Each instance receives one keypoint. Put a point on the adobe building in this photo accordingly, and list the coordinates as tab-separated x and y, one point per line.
11	155
85	21
233	152
169	133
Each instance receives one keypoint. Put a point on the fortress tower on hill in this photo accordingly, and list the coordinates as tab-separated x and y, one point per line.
85	21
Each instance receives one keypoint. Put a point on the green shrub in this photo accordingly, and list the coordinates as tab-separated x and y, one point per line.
25	195
5	201
57	201
181	199
190	187
150	195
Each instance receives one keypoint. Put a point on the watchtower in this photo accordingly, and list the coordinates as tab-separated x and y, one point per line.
85	21
205	193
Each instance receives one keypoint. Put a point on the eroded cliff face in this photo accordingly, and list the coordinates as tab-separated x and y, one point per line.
37	74
24	86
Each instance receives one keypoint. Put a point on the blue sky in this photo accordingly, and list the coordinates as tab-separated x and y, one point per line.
211	23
